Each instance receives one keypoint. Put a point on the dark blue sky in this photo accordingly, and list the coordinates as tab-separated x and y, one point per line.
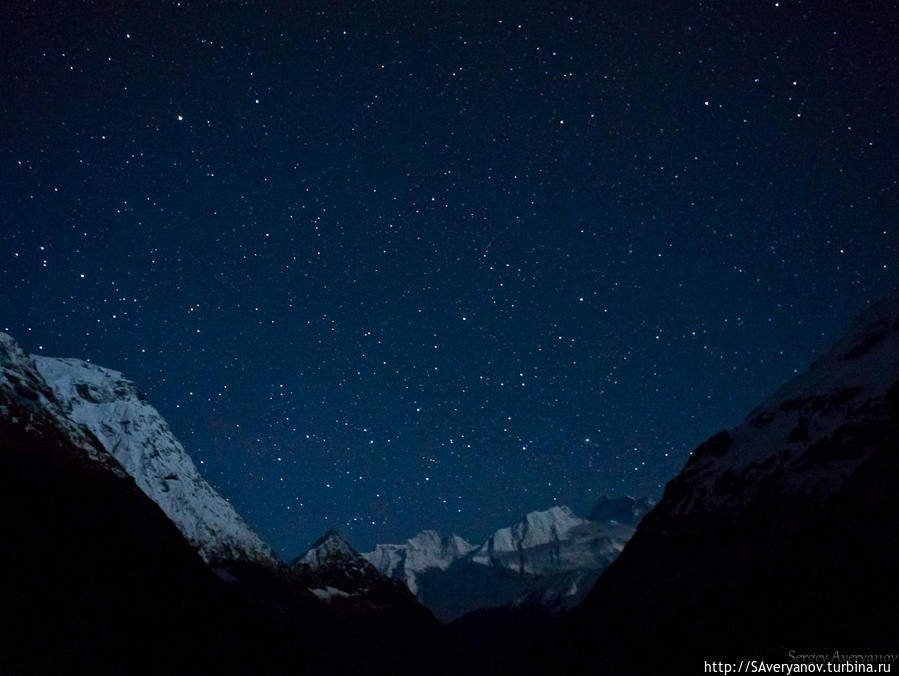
387	266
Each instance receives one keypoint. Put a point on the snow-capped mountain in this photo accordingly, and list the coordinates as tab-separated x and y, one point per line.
550	541
537	531
336	573
781	532
330	550
333	568
95	576
550	558
87	561
802	440
27	401
427	550
116	414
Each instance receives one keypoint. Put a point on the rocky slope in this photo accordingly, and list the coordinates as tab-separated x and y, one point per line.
426	551
135	434
779	536
338	575
549	560
28	403
95	577
550	541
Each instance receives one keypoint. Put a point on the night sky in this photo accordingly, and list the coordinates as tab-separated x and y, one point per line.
387	266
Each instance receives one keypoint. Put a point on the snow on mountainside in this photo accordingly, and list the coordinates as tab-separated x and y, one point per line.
137	436
26	399
808	437
89	562
329	550
552	541
549	559
332	569
534	544
423	552
339	575
780	532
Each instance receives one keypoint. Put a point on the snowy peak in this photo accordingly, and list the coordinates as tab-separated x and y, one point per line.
555	544
428	550
810	436
552	541
338	575
536	529
113	410
27	403
795	509
541	527
425	551
327	550
547	560
388	559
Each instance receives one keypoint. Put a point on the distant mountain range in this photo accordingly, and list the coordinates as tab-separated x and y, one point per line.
549	559
779	537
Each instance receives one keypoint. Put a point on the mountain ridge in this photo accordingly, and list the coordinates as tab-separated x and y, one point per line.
549	558
132	431
98	579
779	536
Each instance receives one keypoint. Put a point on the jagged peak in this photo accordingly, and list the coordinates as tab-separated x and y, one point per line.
459	543
802	440
329	534
536	528
10	350
426	536
330	547
556	512
132	431
558	517
332	539
431	539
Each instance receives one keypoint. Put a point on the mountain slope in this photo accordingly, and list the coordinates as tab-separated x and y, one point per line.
547	560
27	404
806	439
545	563
352	587
779	535
545	542
426	551
134	432
94	577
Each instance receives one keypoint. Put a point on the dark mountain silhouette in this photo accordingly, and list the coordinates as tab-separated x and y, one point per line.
778	538
95	578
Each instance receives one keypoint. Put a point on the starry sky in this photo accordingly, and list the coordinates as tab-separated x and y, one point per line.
387	266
